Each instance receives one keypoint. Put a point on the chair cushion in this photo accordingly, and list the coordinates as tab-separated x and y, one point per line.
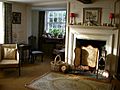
9	62
9	53
37	52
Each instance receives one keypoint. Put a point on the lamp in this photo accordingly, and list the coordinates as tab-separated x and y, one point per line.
111	16
72	18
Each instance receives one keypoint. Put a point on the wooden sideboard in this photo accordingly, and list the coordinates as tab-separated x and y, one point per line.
52	40
48	44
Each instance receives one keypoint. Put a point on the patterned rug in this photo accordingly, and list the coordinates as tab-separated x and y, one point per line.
58	81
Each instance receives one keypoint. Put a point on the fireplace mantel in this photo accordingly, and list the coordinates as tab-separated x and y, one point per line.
108	34
93	27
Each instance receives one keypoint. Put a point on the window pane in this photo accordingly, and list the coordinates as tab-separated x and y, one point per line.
55	19
50	14
50	25
50	19
59	19
55	14
59	25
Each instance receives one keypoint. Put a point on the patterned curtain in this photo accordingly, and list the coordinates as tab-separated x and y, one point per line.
8	22
41	28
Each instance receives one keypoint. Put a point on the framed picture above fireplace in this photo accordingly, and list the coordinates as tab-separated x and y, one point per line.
92	15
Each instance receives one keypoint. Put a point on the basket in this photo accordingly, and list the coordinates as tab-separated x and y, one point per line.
56	64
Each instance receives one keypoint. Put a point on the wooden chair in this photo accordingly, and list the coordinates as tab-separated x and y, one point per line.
59	50
34	53
9	56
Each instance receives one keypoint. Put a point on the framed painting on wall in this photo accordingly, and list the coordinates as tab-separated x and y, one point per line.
92	15
16	18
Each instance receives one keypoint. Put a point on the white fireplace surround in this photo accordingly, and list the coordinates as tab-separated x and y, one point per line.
108	34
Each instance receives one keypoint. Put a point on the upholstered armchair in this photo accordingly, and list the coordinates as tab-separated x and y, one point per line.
9	56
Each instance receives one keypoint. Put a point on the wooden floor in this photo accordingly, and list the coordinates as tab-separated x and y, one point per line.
10	80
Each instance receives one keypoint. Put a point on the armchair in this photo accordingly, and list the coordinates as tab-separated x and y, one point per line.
9	56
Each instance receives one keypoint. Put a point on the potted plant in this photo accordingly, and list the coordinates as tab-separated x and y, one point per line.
55	32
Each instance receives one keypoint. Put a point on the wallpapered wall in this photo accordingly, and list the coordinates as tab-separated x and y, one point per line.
106	5
19	31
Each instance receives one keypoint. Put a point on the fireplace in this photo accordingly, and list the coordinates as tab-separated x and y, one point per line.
108	35
89	54
100	44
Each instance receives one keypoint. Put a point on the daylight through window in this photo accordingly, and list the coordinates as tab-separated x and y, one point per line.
55	22
1	24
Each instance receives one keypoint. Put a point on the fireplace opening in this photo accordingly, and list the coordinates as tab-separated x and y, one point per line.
98	44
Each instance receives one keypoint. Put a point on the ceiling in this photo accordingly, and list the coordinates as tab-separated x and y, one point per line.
44	4
43	1
32	1
35	1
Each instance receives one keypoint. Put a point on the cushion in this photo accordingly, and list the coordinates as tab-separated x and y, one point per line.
9	62
9	53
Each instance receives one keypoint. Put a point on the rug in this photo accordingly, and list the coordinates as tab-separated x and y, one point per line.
59	81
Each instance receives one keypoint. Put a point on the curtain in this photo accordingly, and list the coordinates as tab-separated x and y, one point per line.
41	28
8	22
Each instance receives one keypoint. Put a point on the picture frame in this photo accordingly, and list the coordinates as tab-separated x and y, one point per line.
92	15
16	17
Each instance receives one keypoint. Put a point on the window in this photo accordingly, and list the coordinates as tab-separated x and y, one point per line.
1	24
55	22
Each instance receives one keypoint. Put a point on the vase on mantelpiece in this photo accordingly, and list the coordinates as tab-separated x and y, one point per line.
72	18
111	17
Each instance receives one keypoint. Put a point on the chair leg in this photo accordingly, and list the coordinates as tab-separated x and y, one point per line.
33	58
42	58
19	70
